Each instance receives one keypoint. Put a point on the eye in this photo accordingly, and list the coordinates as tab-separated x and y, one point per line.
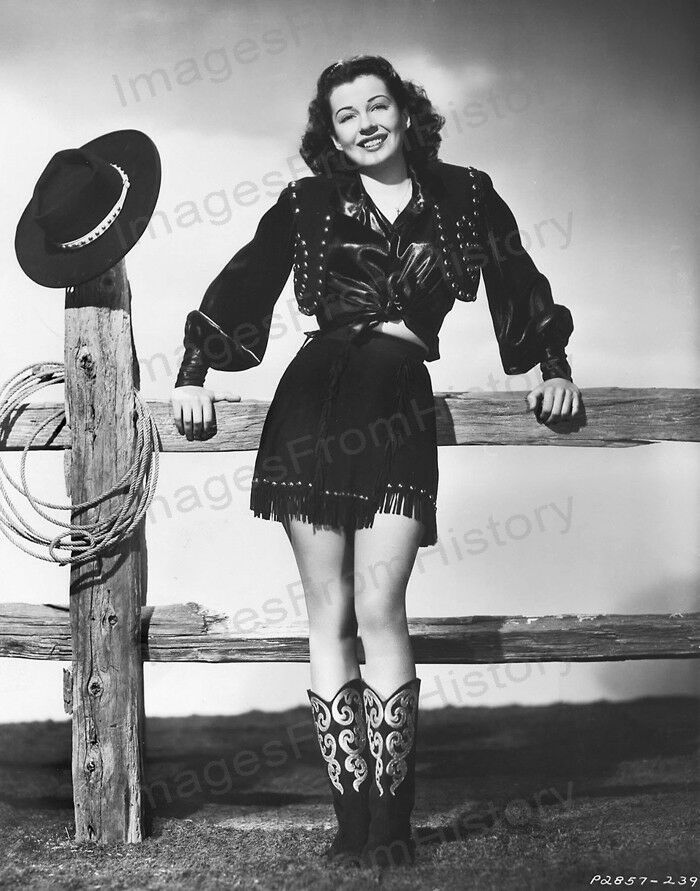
374	107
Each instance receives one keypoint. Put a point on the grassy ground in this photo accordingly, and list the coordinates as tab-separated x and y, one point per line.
508	798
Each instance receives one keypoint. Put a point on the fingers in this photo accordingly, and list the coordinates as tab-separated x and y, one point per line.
546	406
208	418
192	418
566	405
576	403
551	406
177	415
194	415
532	399
187	415
559	403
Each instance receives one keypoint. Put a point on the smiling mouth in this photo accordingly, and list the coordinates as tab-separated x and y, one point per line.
374	142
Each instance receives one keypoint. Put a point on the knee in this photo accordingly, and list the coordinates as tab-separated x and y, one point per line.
377	620
335	627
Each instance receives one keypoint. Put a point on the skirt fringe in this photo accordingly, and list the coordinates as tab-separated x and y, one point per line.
276	501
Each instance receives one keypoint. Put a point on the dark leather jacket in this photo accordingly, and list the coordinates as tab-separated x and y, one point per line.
352	265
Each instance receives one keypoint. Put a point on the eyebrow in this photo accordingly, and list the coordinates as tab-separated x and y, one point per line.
383	95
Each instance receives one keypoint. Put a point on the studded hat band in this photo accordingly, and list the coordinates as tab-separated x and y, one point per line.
104	224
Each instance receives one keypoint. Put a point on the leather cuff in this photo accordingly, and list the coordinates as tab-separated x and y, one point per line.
555	365
218	349
193	370
554	330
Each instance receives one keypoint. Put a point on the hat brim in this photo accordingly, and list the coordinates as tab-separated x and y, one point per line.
56	267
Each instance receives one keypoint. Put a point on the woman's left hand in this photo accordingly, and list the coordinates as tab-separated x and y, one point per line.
560	400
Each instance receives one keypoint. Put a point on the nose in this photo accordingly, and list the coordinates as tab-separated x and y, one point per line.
366	126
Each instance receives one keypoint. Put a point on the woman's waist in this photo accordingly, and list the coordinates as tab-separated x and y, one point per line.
363	326
410	319
395	328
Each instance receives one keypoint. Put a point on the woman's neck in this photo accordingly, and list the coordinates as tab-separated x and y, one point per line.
391	172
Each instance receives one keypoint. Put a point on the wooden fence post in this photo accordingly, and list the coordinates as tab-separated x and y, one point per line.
106	593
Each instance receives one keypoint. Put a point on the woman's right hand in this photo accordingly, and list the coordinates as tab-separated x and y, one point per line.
193	410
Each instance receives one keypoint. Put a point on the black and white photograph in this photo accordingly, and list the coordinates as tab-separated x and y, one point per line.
349	423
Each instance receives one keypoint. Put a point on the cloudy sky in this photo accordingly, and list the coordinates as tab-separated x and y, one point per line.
584	115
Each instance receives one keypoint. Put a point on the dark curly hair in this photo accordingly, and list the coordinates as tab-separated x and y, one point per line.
422	138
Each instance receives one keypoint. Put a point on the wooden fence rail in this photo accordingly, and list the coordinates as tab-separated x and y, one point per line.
188	632
615	417
108	631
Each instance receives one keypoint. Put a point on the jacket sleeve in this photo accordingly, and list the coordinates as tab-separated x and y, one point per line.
230	330
530	327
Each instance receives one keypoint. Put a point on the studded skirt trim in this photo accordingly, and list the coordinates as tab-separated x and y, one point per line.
350	433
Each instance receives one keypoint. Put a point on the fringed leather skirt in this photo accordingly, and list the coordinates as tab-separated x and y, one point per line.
350	432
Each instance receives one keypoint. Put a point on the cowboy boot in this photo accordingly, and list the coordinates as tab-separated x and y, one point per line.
391	732
342	737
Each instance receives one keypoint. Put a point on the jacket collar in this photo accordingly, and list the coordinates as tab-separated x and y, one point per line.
350	199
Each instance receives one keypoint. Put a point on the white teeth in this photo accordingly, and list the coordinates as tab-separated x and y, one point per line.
372	142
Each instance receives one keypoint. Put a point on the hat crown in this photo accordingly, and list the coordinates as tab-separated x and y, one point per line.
89	207
76	190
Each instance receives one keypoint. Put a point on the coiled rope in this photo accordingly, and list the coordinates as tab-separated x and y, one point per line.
92	539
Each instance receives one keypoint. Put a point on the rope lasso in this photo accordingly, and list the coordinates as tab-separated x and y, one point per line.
139	480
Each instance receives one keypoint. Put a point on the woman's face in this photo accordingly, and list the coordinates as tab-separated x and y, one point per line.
360	110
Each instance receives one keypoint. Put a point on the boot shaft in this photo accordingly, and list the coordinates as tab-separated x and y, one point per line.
391	731
342	736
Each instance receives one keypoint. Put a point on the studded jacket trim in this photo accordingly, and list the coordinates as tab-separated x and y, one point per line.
316	200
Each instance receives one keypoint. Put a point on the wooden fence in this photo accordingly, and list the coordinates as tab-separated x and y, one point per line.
107	631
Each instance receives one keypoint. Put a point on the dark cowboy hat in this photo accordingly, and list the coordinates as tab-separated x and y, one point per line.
89	208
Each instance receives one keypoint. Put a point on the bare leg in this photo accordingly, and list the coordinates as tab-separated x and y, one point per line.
384	557
324	557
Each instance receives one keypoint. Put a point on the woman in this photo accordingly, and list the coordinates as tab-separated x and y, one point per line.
383	239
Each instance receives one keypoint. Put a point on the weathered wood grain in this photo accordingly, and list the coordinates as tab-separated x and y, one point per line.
190	633
105	593
614	417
